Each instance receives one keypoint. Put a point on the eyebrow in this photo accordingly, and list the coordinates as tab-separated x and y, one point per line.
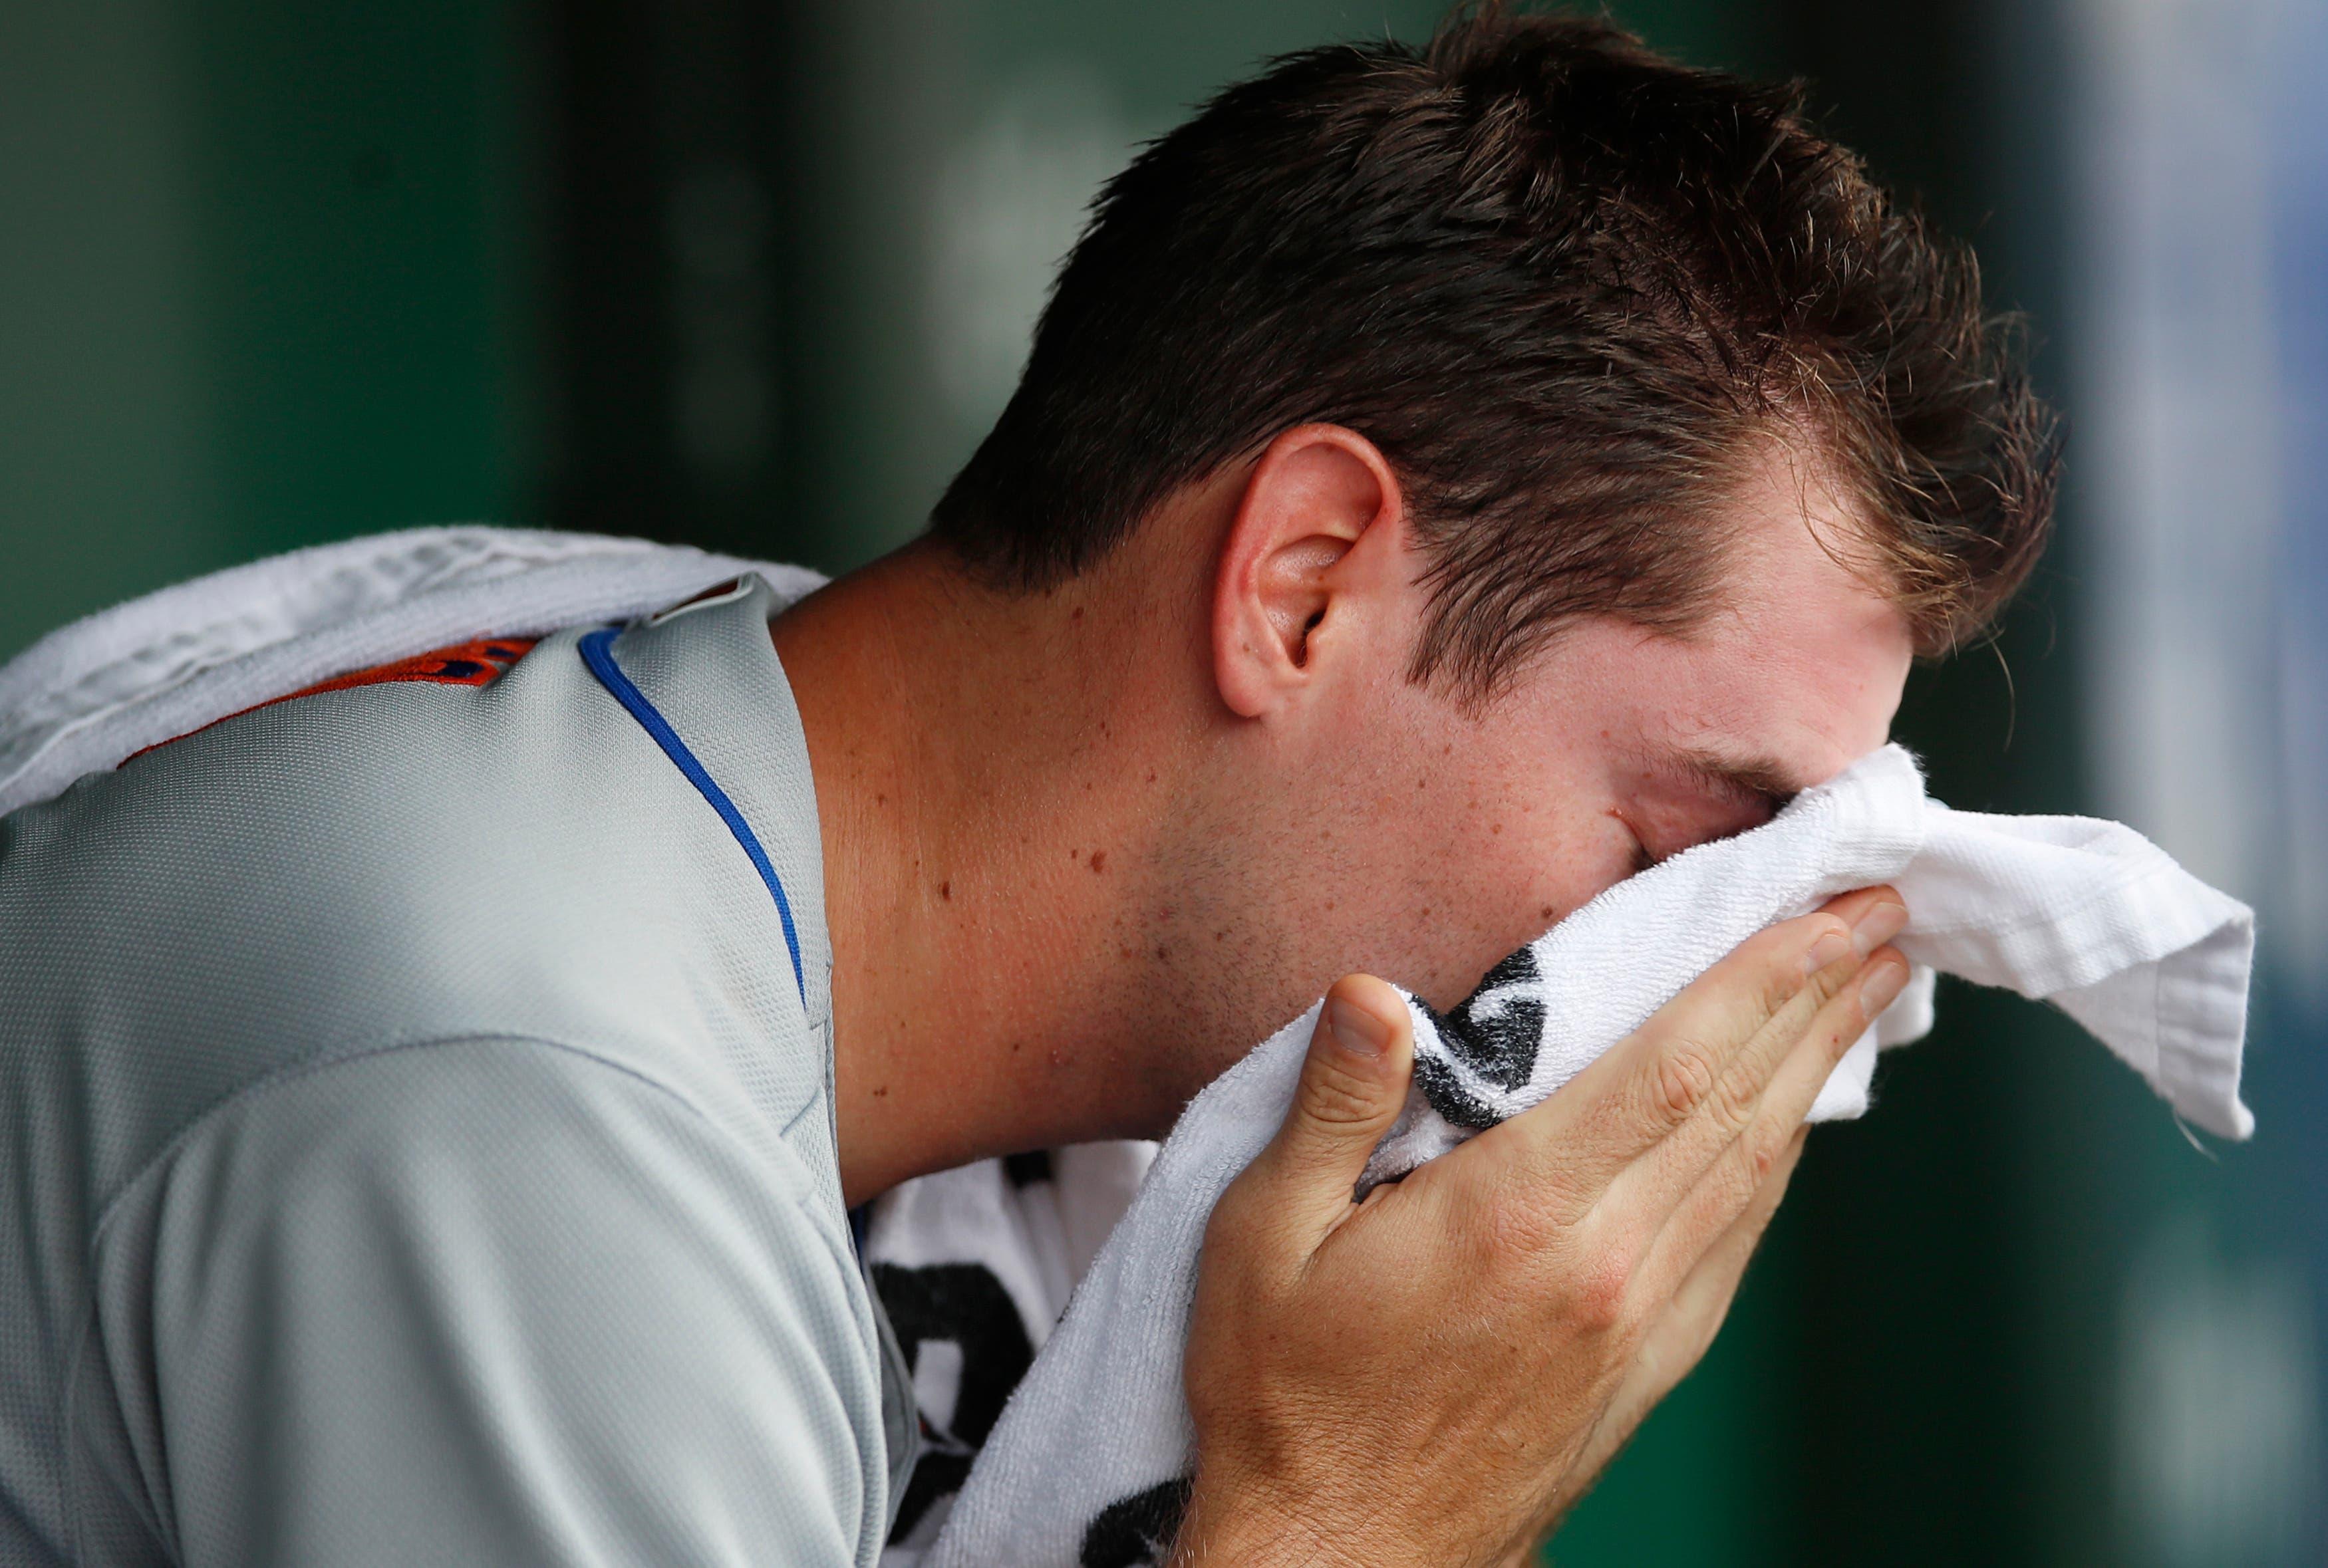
1762	779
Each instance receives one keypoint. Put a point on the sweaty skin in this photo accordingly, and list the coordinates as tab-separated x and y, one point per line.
1083	847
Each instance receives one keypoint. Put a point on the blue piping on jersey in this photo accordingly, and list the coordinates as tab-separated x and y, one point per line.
597	654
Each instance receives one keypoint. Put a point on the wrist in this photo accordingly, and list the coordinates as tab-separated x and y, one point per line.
1228	1527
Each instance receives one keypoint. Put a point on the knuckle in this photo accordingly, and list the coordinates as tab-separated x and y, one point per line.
1831	977
1818	991
1742	1176
1736	1100
1757	1155
1600	1289
1683	1079
1784	978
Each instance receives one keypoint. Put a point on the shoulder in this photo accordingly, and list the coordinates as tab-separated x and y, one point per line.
404	1249
409	861
492	1157
410	1121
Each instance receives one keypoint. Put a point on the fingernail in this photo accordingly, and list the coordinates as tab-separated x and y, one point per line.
1830	946
1357	1030
1878	926
1880	988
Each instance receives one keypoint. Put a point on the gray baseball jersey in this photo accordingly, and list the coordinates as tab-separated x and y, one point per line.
416	1134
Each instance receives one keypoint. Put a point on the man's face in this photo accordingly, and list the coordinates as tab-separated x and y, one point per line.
1424	843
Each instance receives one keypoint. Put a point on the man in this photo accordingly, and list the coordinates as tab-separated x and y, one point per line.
1440	485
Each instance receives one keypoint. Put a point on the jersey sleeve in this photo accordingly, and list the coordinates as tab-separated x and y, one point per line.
499	1301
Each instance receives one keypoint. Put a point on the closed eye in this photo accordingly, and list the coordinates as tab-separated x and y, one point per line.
1682	801
1642	858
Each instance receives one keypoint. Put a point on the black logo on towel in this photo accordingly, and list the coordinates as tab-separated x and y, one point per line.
1493	1036
1138	1531
963	1308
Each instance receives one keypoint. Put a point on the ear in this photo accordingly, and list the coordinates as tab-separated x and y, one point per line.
1319	507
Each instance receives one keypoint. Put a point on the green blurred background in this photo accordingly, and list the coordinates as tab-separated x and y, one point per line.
756	275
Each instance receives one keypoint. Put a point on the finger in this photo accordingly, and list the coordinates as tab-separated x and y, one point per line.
1841	1025
1849	906
1707	1291
1684	1330
1732	1184
1677	1339
1680	1335
1353	1083
1797	1047
1664	1074
1706	1057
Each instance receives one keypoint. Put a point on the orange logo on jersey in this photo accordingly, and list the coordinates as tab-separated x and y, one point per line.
477	663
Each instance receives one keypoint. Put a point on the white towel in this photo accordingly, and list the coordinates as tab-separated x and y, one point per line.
89	694
1089	1461
1085	1464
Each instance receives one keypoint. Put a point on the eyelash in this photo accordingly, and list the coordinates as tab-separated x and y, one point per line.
1642	859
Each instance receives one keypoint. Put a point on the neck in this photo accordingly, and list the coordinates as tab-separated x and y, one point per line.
988	865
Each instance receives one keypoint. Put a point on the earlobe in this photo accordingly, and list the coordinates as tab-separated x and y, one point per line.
1311	498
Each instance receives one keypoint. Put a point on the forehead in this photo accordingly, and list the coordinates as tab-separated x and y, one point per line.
1806	647
1796	669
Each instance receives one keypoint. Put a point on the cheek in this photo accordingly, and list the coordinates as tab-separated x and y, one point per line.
1447	846
1495	880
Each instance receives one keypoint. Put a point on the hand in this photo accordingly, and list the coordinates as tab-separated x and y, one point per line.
1432	1376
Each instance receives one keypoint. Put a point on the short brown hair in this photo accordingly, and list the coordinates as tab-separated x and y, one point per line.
1564	285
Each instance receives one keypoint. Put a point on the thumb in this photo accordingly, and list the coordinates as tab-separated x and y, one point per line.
1353	1082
